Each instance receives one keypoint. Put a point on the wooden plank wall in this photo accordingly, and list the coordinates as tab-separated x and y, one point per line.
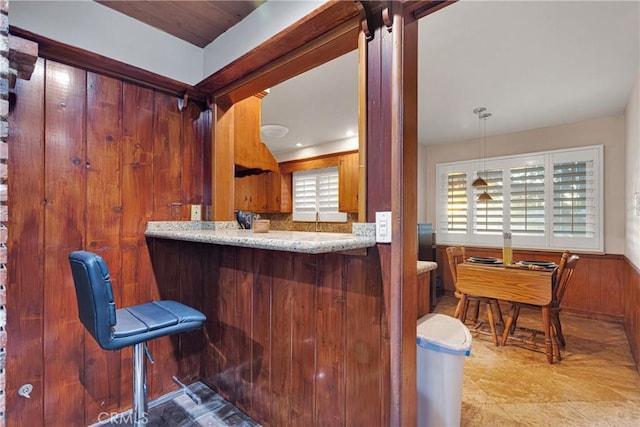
291	339
597	289
631	310
92	159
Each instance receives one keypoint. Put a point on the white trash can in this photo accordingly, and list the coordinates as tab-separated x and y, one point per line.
443	342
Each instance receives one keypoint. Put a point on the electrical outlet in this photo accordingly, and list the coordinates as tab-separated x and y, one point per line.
383	227
196	212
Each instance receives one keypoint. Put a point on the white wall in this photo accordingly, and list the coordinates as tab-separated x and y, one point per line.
608	131
88	25
339	146
262	24
632	175
96	28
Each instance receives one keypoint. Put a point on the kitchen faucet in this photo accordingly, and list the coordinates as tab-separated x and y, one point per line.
317	219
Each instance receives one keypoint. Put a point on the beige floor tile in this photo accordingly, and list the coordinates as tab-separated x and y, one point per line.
474	395
610	414
596	383
546	414
483	415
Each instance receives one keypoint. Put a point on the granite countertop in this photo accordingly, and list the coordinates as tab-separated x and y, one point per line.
425	266
227	233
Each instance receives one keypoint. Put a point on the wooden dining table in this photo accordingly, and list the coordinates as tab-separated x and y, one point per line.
514	284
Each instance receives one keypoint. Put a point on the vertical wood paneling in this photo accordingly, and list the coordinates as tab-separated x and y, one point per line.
167	193
212	360
242	320
65	210
25	304
609	293
330	402
582	293
207	147
281	344
631	312
167	151
165	257
101	377
137	208
303	339
363	342
192	155
192	277
292	339
137	192
85	176
261	334
225	346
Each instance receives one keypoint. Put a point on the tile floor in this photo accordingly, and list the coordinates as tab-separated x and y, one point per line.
178	410
595	384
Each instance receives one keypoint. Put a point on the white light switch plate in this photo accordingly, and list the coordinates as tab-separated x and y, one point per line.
383	227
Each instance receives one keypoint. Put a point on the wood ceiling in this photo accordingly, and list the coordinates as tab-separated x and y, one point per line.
197	22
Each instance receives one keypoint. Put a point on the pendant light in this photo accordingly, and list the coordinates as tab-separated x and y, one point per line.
482	114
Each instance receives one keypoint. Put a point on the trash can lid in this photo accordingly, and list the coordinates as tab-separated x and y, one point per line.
444	334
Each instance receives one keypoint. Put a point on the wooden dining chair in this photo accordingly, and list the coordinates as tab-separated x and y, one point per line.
455	256
563	277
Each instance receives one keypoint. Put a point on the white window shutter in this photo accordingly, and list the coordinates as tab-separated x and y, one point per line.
316	192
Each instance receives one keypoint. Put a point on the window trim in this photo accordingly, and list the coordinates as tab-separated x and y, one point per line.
593	243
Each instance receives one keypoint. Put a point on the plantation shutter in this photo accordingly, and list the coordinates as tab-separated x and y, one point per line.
317	191
574	199
304	196
328	190
489	218
456	202
527	200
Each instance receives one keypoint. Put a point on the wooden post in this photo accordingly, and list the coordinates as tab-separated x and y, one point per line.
222	174
391	186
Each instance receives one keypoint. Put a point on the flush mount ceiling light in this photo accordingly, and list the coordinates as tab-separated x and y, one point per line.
479	181
274	131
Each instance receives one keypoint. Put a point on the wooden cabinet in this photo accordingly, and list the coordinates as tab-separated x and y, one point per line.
348	182
258	193
249	151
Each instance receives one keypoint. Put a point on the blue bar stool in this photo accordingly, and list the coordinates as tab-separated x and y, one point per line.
114	329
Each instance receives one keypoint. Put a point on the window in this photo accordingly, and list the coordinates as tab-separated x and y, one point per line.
546	200
316	191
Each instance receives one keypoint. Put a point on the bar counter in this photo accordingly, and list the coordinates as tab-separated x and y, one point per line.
227	233
297	324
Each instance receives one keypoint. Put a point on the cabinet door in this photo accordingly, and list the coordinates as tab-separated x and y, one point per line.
258	193
348	183
244	190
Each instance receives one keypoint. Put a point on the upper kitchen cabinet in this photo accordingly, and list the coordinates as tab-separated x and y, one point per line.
257	178
250	154
348	182
259	193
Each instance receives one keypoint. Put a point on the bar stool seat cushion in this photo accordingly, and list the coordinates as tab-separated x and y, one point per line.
154	319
